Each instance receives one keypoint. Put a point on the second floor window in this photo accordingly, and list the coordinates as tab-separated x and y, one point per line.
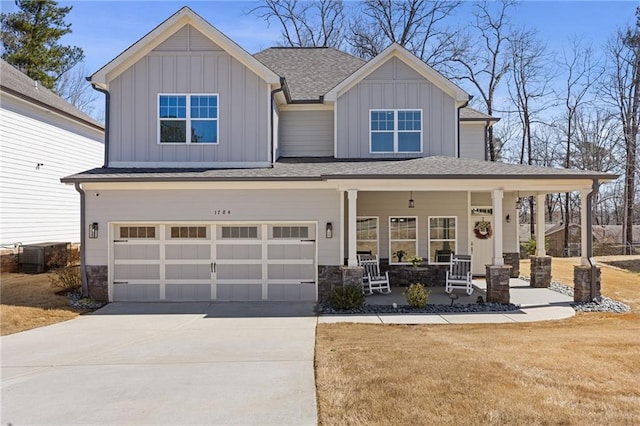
396	130
188	118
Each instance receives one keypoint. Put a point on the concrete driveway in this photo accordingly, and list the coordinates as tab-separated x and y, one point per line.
186	363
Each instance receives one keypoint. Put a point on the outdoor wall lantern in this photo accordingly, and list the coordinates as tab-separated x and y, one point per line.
508	218
93	230
329	230
518	203
412	203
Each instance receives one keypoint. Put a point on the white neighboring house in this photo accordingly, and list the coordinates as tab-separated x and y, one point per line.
42	138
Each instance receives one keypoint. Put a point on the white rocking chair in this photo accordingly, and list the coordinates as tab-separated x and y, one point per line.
372	279
459	274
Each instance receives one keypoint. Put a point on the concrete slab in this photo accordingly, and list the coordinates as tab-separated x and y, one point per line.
482	318
412	319
364	319
177	365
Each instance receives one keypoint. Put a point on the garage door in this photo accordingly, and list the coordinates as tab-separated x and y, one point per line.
227	262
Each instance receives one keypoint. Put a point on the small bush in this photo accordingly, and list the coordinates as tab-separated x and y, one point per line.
417	296
347	297
66	278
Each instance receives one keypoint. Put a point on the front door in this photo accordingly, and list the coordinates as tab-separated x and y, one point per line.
481	238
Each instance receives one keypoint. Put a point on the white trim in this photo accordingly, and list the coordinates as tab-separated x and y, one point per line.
403	240
377	218
397	51
429	240
352	196
540	225
165	30
190	164
335	130
497	197
188	119
396	131
584	231
342	227
306	107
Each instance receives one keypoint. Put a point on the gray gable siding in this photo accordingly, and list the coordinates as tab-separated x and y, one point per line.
306	133
472	140
186	63
394	85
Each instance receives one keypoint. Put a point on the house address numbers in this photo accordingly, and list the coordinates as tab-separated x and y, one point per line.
221	212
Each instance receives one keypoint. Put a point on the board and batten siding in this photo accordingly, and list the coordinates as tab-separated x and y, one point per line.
306	134
387	204
180	206
186	63
35	207
394	85
472	143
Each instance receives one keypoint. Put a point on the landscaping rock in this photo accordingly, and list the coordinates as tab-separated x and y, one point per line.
326	308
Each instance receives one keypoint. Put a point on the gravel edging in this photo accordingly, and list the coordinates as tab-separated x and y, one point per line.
326	309
77	301
606	304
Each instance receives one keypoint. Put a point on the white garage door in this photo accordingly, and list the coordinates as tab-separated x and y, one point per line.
201	262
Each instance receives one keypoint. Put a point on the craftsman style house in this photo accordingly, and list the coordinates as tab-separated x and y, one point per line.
235	177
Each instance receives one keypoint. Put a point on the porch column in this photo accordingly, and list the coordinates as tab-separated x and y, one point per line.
584	228
496	197
540	244
352	195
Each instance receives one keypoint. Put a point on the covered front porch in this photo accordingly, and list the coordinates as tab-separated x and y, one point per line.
431	217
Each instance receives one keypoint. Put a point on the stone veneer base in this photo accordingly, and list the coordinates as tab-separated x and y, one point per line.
540	271
498	283
513	260
97	282
582	284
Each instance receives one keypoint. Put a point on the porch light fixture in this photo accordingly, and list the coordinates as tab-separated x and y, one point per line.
93	230
328	230
412	203
518	203
508	218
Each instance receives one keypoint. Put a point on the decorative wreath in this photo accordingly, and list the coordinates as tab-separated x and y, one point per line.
483	230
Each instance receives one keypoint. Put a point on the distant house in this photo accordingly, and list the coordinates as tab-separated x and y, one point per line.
42	138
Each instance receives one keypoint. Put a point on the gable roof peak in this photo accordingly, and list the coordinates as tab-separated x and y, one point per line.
184	16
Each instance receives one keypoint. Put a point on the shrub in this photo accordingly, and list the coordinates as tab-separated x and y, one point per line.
417	296
347	297
66	278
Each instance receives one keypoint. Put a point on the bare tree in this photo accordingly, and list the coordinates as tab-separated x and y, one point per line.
581	72
73	87
413	24
622	89
318	23
485	62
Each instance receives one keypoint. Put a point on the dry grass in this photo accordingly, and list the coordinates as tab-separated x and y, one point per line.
28	301
579	371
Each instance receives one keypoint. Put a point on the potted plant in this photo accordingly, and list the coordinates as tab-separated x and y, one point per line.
400	254
415	260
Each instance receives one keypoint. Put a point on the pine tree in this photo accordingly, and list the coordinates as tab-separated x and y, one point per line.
30	40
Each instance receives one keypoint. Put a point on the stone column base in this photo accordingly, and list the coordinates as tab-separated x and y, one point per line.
540	271
582	284
498	284
352	275
513	260
97	282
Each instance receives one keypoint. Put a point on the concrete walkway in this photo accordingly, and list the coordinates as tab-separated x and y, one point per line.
165	363
536	304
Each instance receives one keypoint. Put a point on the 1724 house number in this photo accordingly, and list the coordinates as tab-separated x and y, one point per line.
221	212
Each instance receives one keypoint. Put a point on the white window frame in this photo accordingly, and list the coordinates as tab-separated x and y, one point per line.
429	240
414	240
377	240
187	119
396	131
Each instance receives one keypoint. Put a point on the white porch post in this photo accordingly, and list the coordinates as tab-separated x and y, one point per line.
584	230
352	195
540	244
496	197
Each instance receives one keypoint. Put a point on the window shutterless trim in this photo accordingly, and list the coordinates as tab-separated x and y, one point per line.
415	240
188	119
429	239
396	131
377	240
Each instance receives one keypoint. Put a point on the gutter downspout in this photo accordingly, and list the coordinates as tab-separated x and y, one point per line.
106	121
459	108
273	97
592	262
83	250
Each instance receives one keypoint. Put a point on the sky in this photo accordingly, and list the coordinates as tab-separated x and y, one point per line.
104	29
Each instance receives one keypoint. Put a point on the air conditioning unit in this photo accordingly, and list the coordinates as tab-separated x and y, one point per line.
38	258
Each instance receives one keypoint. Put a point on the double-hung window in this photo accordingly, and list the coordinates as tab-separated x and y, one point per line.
188	119
442	238
367	235
403	239
394	130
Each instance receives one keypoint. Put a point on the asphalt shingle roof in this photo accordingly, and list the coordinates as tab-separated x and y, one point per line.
13	80
301	169
309	72
470	114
